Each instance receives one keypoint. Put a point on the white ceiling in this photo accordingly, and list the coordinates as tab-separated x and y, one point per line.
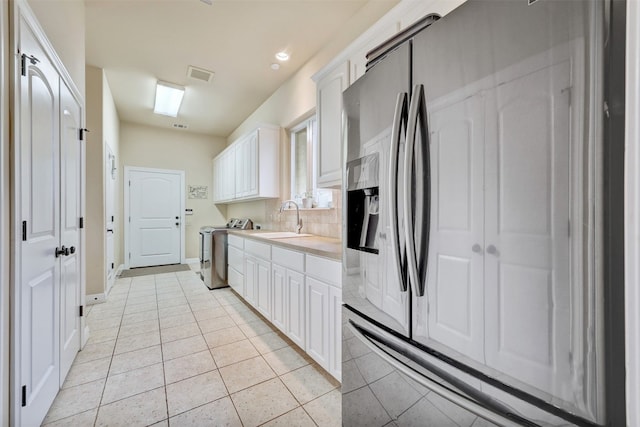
140	41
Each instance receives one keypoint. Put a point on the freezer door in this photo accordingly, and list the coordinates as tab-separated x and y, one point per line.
510	283
387	380
375	108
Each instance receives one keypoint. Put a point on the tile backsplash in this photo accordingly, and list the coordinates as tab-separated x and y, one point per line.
319	221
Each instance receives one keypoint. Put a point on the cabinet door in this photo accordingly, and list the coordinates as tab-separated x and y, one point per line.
236	280
329	100
296	313
251	165
241	169
317	306
250	280
216	187
335	332
278	286
263	287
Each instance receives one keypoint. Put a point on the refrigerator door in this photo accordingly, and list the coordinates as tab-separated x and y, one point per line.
374	270
510	135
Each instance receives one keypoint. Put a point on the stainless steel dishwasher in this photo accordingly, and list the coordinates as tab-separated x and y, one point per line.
213	251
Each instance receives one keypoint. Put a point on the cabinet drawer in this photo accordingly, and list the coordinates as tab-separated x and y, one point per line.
324	269
286	258
235	258
236	241
260	250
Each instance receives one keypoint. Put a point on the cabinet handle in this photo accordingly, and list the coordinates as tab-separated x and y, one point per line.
61	251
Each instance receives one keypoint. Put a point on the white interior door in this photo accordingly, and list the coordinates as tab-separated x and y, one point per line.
155	209
70	213
455	294
528	287
39	197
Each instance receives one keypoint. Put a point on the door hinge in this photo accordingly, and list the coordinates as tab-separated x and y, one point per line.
32	59
81	222
113	266
129	183
81	310
129	255
81	133
112	218
24	396
24	231
129	219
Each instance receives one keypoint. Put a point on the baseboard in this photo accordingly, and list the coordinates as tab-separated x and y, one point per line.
191	260
96	299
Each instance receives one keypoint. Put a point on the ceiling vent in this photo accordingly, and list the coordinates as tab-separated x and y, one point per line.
180	126
200	74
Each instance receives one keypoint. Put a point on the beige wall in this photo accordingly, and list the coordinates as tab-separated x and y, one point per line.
104	126
288	105
111	137
63	22
95	203
145	146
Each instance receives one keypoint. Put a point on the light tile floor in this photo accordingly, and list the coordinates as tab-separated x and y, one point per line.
164	350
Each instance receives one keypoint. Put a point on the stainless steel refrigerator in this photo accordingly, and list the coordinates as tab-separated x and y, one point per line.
479	183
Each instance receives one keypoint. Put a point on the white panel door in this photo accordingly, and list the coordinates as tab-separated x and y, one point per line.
250	279
317	306
263	287
39	198
251	165
296	311
455	272
528	289
71	155
279	306
154	210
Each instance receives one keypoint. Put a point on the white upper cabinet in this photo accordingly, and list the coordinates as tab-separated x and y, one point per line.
329	111
345	69
245	169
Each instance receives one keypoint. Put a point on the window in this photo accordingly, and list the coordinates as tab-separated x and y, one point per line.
303	181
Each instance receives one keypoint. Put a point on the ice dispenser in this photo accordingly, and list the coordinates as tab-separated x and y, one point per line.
363	203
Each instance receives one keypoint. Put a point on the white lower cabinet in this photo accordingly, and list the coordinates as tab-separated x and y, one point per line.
278	289
317	306
335	332
299	293
250	279
257	289
263	287
296	310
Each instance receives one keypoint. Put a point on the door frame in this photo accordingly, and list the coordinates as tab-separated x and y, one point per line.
20	10
4	215
127	231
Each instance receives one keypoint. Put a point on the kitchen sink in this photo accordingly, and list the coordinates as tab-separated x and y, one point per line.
281	235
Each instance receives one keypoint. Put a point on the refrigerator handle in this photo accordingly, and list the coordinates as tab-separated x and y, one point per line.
398	118
417	110
455	390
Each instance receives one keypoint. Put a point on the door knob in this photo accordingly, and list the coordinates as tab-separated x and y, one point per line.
72	250
476	248
492	250
61	251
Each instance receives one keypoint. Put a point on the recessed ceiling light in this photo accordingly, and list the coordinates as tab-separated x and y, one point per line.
282	56
275	66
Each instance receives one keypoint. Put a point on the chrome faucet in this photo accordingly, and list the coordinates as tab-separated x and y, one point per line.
298	220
